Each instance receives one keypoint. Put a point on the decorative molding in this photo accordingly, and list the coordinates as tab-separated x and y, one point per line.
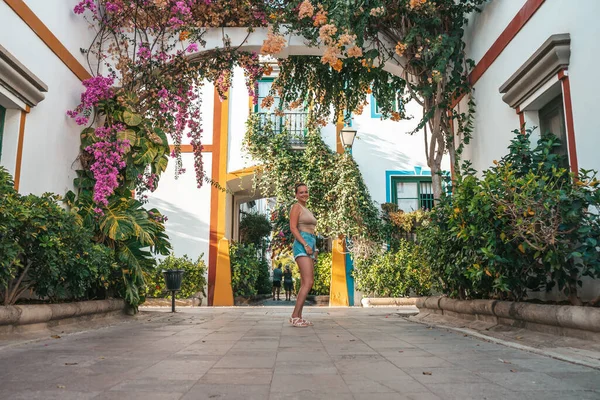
563	75
20	81
509	33
17	177
42	31
507	36
545	63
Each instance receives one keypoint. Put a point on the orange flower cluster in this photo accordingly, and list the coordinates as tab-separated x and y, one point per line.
273	44
417	3
306	9
267	102
331	56
375	12
346	39
320	17
326	32
400	48
355	51
395	116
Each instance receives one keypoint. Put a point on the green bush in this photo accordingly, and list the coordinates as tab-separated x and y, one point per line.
525	225
322	276
194	278
322	269
44	249
245	269
263	282
394	273
254	228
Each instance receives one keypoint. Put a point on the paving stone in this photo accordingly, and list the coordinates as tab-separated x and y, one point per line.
529	381
155	385
253	353
202	391
238	376
290	383
471	391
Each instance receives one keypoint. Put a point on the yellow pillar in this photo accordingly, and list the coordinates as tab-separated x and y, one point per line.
223	290
338	294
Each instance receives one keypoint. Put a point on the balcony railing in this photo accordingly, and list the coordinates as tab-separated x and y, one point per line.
294	124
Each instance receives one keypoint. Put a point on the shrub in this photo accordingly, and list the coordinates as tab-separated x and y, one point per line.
245	269
526	225
394	273
322	270
263	282
44	249
254	228
194	278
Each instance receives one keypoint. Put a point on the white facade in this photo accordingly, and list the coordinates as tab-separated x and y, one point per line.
495	120
50	138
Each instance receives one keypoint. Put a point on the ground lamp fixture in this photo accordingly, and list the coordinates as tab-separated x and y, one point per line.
173	278
347	135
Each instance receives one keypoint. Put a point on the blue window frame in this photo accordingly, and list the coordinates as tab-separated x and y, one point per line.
375	112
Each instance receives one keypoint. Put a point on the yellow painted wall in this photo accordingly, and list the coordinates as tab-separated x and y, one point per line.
338	294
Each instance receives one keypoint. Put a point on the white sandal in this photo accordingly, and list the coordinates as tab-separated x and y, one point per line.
298	323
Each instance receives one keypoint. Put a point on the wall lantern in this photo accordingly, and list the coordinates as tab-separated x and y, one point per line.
347	135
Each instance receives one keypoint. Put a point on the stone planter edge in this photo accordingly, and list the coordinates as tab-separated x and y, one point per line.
389	301
29	314
568	318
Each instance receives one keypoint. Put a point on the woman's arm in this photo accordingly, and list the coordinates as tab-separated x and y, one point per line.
294	217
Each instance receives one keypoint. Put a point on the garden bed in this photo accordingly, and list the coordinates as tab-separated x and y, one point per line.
563	320
39	316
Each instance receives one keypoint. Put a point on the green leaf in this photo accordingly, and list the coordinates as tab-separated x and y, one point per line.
160	164
161	134
147	154
127	134
132	119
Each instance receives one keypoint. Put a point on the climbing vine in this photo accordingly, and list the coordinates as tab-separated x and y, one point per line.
339	197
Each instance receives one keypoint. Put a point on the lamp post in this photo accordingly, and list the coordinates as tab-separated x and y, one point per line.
347	135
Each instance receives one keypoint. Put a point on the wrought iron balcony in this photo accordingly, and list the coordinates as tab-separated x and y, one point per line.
294	123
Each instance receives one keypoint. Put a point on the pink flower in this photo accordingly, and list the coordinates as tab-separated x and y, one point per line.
192	48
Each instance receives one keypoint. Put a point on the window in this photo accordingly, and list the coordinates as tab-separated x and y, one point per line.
411	193
552	120
375	112
293	120
2	116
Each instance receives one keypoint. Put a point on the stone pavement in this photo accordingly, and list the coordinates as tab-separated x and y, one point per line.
252	353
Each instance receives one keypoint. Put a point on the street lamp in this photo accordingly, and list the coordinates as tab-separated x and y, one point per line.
347	135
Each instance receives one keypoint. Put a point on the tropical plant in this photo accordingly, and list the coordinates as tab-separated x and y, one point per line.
527	225
45	250
194	278
123	155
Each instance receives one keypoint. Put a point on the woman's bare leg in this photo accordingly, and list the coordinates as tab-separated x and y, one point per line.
306	266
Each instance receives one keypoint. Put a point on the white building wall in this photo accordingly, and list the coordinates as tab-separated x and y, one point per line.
495	119
187	208
51	139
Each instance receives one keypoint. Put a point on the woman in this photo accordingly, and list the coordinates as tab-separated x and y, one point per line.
302	225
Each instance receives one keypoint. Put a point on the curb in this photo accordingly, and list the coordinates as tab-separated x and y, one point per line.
389	301
576	321
43	313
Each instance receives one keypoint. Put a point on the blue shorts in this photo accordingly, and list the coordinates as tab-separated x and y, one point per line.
299	250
